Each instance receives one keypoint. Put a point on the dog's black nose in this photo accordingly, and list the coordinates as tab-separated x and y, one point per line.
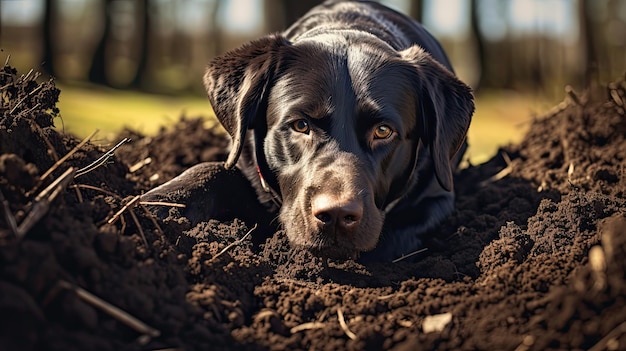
335	213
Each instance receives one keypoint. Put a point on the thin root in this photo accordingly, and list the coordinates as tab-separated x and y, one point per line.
344	326
101	160
403	257
68	155
41	203
214	258
307	326
113	311
124	208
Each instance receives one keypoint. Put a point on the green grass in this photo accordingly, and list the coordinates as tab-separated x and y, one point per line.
501	117
84	109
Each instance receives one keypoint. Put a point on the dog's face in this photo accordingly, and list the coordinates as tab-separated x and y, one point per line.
339	126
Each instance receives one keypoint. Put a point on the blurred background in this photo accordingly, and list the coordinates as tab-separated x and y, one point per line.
139	63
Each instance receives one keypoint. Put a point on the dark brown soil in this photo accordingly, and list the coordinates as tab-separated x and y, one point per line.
532	259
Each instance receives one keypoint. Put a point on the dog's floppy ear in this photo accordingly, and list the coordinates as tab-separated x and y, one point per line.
447	105
237	85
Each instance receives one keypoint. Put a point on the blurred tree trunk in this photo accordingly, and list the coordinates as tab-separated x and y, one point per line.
98	69
214	29
590	58
143	42
416	10
295	9
274	16
481	51
48	37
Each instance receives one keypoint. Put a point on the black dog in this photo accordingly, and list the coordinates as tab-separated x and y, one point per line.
351	122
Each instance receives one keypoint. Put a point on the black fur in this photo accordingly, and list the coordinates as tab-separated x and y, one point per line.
349	70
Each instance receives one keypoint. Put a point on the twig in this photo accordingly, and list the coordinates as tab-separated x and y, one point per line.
91	187
69	154
8	216
139	228
101	160
403	257
124	208
613	334
161	203
572	94
137	166
150	216
502	174
113	311
24	98
344	326
307	326
45	139
6	63
43	200
229	246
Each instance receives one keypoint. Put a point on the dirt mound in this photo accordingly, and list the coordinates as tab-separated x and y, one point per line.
531	260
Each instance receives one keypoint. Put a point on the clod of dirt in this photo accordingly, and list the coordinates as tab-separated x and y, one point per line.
531	260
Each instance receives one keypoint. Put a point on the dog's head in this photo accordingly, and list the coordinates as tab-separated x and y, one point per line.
338	127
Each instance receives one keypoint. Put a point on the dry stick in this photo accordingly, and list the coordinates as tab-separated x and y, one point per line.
161	203
45	139
69	154
500	175
139	228
43	200
101	160
404	257
152	219
344	326
113	311
307	326
24	98
6	63
79	195
613	334
233	244
91	187
137	166
124	208
8	216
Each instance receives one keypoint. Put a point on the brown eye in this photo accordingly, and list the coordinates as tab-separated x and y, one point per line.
300	126
382	132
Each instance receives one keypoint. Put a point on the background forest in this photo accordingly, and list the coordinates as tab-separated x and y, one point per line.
139	63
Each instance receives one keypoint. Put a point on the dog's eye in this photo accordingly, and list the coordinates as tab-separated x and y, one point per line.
382	132
300	126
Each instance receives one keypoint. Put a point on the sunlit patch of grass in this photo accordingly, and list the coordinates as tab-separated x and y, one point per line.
84	109
501	117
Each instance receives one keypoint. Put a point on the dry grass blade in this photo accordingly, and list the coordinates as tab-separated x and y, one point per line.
235	243
101	160
307	326
41	203
113	311
404	257
161	203
139	227
68	155
33	92
137	166
124	208
91	187
344	326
